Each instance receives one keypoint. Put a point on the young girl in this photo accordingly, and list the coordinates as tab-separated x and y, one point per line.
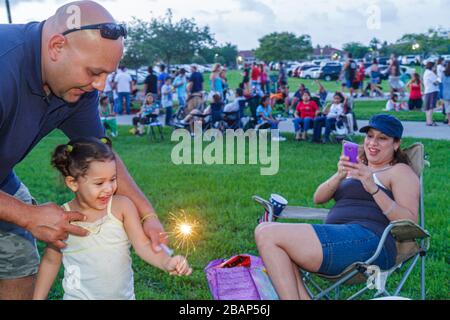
415	101
98	267
394	105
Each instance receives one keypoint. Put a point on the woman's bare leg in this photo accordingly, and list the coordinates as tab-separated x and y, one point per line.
281	245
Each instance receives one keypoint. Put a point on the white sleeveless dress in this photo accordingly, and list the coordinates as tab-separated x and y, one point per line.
98	267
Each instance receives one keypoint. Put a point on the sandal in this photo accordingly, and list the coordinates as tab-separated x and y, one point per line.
434	124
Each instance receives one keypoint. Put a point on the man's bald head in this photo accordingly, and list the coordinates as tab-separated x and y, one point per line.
77	14
79	61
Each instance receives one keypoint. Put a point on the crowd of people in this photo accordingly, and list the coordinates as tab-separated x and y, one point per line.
309	111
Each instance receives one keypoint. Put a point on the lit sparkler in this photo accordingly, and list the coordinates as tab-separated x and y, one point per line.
185	230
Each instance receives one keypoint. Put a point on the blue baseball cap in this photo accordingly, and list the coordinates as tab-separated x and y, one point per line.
386	124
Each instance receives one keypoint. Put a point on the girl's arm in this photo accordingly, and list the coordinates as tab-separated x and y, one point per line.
142	245
135	232
48	270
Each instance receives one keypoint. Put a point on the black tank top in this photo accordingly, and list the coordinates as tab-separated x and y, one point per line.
354	205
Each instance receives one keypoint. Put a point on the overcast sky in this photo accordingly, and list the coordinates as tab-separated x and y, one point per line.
243	22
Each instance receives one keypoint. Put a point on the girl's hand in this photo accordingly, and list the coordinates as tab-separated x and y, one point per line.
360	172
178	266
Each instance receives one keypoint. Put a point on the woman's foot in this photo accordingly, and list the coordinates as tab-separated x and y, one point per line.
434	124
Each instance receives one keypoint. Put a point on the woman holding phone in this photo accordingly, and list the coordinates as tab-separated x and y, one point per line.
381	187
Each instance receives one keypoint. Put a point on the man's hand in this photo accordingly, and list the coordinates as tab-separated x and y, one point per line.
51	224
155	231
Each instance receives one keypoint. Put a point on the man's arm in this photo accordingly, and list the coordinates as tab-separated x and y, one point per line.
48	222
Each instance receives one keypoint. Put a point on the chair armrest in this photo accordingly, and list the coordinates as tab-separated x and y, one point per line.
402	231
304	213
405	230
266	204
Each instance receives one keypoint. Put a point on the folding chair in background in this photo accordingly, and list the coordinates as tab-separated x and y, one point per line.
412	244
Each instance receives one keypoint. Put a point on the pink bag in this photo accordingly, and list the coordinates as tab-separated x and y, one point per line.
240	283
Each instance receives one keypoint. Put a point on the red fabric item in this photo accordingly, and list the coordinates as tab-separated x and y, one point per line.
416	92
307	110
256	73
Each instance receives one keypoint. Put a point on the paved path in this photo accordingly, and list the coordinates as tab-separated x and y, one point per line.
412	129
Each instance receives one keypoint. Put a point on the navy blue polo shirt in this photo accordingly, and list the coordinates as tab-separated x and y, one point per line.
27	115
197	82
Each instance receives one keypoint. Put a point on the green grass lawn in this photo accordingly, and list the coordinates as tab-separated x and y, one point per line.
366	109
220	198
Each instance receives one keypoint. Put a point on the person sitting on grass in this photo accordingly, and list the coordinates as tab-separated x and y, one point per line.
305	113
108	117
394	105
149	109
98	267
381	188
329	118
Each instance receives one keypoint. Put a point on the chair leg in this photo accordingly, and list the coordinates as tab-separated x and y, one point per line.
422	280
406	275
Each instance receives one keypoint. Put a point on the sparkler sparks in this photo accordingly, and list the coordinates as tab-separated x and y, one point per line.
185	230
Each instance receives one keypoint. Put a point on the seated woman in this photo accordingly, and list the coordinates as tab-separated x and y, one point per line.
149	110
305	113
264	114
379	189
329	119
266	119
214	109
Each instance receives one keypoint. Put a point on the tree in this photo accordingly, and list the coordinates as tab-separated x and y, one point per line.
166	40
283	46
357	49
374	44
227	53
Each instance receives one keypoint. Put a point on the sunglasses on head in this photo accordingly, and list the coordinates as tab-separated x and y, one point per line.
110	31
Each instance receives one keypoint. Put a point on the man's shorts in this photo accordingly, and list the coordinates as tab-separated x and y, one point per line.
19	257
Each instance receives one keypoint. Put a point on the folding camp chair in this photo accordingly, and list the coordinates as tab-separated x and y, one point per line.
412	245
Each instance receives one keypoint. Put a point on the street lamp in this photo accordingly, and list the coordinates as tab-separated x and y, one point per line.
8	10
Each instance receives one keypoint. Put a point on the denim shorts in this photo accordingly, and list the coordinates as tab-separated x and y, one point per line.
19	257
346	244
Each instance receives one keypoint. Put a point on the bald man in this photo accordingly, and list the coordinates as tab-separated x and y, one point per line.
51	73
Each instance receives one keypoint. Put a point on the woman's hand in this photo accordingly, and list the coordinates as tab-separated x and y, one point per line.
342	172
360	172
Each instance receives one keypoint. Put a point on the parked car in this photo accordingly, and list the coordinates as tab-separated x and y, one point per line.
432	58
298	69
383	60
329	73
311	73
330	63
293	70
410	60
